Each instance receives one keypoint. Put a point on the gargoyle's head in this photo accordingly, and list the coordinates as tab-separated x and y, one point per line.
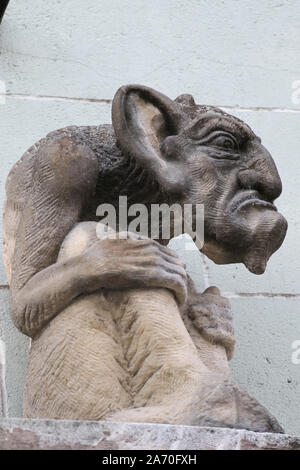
202	155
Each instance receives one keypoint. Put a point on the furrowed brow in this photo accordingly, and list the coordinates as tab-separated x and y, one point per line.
236	127
211	122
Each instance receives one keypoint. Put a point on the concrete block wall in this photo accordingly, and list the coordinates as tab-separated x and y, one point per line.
61	63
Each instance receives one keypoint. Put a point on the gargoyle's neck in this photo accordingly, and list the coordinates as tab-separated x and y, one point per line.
120	177
136	195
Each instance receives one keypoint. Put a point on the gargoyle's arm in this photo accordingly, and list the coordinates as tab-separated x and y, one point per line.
50	188
60	179
46	294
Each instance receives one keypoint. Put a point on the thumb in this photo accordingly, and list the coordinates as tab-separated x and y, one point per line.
212	290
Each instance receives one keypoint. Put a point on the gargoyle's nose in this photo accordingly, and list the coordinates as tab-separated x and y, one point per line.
262	176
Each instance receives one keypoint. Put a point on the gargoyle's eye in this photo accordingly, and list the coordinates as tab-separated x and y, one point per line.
224	141
220	139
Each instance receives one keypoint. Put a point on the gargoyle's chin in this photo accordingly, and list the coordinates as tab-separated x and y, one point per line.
249	237
268	234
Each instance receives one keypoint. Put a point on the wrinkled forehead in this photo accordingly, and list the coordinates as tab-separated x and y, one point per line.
212	120
211	117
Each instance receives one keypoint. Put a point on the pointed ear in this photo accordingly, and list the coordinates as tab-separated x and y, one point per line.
142	118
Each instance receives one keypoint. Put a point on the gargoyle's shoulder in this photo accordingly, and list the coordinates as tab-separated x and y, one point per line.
94	137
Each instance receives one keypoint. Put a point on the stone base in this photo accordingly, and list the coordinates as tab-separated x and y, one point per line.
31	434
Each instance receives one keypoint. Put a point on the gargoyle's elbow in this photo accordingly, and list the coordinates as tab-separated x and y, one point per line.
23	315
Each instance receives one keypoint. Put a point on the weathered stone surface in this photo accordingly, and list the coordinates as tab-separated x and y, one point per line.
167	360
92	435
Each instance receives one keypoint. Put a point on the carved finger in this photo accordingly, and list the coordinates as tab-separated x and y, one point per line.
168	280
155	244
169	251
173	260
178	287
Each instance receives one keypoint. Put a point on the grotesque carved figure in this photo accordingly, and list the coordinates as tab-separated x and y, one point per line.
118	330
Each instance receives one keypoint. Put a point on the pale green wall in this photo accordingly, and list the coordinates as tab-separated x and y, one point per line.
242	55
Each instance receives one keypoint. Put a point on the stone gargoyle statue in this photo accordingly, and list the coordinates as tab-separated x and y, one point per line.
118	330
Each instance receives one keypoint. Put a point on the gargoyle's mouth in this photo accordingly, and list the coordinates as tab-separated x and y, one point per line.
249	198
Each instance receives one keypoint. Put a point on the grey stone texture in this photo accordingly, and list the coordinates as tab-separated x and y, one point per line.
22	434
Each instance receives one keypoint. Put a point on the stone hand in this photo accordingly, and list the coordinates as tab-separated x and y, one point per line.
127	263
211	314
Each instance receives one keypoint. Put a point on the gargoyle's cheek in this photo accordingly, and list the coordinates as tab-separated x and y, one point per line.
266	232
202	179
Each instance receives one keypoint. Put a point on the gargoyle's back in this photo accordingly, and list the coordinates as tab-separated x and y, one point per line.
100	139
